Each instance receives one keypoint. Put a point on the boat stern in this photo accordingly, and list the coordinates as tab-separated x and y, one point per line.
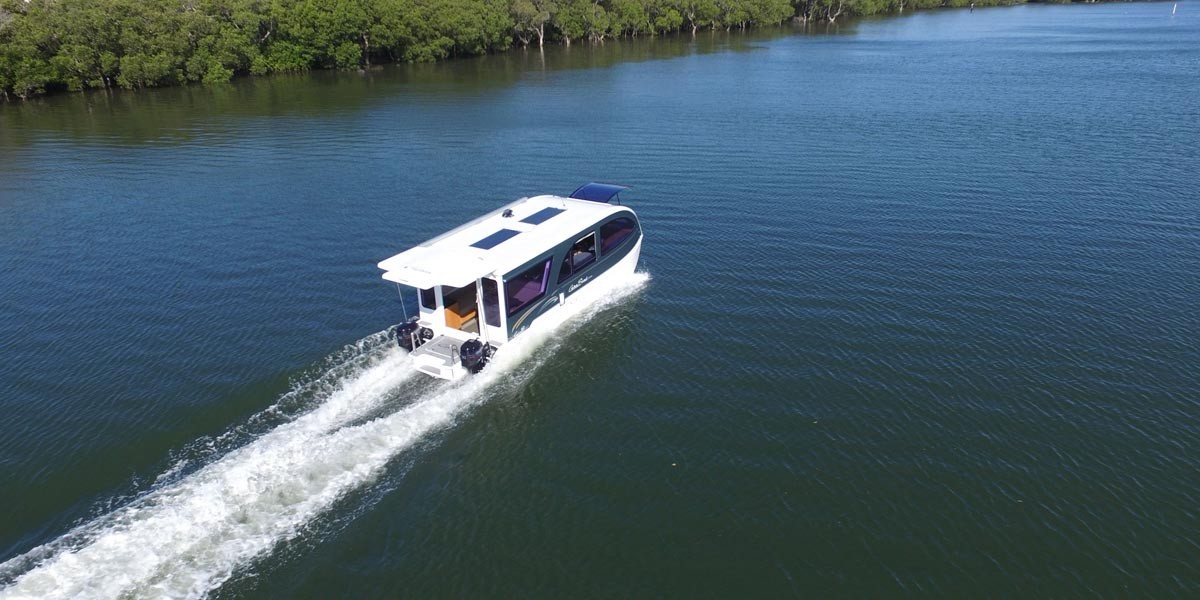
441	358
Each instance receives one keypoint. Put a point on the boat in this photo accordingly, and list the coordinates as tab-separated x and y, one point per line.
480	285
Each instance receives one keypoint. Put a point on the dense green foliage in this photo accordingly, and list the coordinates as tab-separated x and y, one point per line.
77	44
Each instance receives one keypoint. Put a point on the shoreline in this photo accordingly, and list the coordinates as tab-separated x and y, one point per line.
823	16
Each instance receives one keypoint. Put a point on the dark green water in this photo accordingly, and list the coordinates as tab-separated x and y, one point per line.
920	318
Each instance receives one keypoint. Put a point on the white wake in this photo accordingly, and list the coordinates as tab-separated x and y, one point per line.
190	534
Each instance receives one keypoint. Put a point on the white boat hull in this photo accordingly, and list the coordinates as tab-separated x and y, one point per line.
439	358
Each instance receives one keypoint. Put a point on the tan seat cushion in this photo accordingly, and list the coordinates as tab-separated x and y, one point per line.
456	320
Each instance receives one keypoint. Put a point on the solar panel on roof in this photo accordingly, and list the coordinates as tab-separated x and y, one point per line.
495	239
541	216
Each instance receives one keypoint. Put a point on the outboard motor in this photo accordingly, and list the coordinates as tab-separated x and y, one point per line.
474	355
404	335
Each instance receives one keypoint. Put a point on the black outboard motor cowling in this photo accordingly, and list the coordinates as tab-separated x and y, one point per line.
404	335
474	355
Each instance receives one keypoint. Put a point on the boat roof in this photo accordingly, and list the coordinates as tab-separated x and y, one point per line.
495	244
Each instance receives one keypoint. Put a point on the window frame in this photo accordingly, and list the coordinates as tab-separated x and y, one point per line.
491	306
511	308
421	297
621	242
569	259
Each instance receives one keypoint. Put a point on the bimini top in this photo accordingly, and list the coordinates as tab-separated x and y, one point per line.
495	244
598	192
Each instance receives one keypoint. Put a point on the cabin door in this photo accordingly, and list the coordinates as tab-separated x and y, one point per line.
491	311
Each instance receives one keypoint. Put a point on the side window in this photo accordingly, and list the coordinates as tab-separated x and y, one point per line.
526	287
614	232
491	302
581	254
427	298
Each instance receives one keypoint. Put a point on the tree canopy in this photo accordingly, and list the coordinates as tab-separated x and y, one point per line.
48	45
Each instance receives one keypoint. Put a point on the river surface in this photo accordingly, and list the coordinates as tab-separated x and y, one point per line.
919	315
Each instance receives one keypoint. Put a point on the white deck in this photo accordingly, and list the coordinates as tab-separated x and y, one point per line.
439	357
450	259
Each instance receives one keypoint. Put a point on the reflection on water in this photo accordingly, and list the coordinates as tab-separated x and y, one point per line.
183	113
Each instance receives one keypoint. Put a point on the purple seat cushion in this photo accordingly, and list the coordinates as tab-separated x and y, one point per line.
525	293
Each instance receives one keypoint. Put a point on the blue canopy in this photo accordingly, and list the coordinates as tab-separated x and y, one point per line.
598	192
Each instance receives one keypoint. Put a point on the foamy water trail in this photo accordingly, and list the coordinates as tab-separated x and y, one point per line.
187	537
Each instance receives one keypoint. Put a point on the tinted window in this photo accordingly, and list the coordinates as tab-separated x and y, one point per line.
614	232
491	302
581	254
427	299
526	287
565	270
